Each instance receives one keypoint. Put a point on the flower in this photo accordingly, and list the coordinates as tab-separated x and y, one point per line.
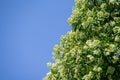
115	59
116	29
100	14
90	57
85	77
91	74
112	47
88	76
96	52
84	24
56	49
90	20
76	12
97	69
107	53
117	38
117	19
71	33
112	1
103	5
89	13
92	43
85	47
112	23
89	43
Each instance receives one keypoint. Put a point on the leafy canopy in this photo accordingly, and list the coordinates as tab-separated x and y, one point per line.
91	51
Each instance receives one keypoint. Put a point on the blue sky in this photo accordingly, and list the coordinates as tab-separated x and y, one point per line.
29	29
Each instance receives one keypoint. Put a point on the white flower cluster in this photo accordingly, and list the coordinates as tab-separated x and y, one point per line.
112	1
115	59
91	58
100	14
97	69
92	43
88	76
96	52
117	38
112	23
90	20
103	6
116	29
90	13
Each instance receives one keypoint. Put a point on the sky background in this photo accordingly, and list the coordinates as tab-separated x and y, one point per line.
29	29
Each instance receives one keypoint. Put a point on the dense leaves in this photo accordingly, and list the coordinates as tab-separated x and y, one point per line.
91	51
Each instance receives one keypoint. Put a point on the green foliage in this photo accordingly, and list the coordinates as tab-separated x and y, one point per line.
91	51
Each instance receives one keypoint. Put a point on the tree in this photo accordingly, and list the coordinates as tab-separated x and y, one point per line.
91	51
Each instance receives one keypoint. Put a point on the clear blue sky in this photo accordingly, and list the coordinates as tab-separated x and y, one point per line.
29	29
